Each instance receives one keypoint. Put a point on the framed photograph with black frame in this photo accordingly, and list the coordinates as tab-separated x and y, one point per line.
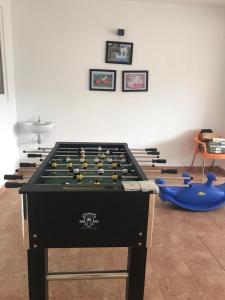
119	52
102	80
135	81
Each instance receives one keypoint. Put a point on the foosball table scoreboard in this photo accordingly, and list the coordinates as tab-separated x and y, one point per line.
87	195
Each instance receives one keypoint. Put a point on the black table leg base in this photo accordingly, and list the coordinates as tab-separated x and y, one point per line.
136	268
37	271
38	274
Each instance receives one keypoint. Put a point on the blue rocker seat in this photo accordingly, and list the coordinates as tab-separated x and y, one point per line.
198	197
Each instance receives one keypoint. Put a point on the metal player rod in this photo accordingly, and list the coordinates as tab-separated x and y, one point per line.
90	148
84	157
162	161
105	159
85	153
78	159
159	161
163	171
12	177
62	155
88	155
171	185
146	153
106	156
144	149
25	170
94	153
35	151
80	152
108	164
21	177
172	177
86	170
103	149
88	176
146	156
11	184
137	153
73	148
45	148
148	161
76	152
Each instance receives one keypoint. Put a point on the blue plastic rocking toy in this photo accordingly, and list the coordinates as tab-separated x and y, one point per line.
198	197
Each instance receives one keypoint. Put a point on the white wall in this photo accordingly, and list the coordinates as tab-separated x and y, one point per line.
8	148
182	46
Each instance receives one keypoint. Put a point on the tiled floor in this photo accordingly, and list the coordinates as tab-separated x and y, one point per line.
186	262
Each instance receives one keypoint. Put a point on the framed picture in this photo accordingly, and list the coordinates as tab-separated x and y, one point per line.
119	52
102	80
135	81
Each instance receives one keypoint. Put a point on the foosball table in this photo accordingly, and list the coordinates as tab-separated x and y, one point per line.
86	195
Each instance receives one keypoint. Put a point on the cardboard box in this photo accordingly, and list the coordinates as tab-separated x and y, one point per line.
208	136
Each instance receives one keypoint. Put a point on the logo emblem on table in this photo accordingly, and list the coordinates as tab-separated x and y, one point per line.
89	221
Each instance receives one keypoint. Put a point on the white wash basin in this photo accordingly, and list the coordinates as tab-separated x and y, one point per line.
39	126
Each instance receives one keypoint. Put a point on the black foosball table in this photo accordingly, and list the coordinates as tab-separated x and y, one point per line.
87	195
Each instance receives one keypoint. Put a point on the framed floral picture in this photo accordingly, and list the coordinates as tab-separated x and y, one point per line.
119	52
135	81
102	80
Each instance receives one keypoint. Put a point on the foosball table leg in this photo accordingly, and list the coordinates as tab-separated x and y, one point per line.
151	218
37	274
136	268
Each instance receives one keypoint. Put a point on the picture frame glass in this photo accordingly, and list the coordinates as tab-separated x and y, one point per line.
119	52
102	80
135	81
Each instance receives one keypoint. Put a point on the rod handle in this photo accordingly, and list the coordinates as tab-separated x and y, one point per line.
34	155
169	171
153	152
13	177
13	185
27	165
151	149
159	161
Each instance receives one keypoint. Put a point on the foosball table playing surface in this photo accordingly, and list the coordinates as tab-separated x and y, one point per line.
87	195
